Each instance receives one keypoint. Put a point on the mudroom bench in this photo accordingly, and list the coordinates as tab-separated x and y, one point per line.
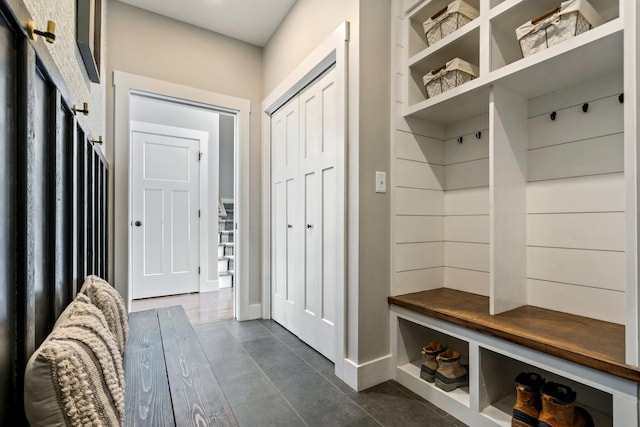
169	381
585	354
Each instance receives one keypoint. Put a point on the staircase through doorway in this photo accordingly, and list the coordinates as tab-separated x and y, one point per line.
226	251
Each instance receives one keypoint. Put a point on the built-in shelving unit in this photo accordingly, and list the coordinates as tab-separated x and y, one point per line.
539	210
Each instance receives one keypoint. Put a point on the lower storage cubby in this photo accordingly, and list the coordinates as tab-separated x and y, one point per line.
413	337
493	364
498	389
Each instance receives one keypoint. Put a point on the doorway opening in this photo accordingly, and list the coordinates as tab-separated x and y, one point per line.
182	202
121	219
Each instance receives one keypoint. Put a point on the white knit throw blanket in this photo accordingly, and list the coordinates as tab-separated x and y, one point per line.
87	370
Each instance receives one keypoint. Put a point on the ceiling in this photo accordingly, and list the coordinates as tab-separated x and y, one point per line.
252	21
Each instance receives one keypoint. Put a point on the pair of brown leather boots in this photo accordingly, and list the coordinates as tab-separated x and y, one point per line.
442	366
546	404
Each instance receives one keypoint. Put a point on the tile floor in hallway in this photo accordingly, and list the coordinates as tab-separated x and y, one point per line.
271	378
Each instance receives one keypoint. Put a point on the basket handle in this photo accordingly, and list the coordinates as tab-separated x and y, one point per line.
437	70
545	15
440	12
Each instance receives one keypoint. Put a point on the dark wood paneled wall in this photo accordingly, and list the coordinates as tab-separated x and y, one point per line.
8	173
53	203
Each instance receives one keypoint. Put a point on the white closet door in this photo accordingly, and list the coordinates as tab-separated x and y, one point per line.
286	221
318	188
304	216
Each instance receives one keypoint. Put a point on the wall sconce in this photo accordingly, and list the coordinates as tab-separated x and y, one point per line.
49	35
85	109
98	141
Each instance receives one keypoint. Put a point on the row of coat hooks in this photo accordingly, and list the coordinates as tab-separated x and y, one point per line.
478	136
50	37
585	107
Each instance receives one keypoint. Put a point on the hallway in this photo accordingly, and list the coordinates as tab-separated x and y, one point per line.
271	378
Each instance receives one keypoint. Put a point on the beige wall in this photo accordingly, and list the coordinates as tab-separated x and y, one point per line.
66	55
150	45
375	218
308	24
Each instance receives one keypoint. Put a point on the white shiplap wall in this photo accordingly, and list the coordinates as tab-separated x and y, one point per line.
440	196
417	174
466	248
575	202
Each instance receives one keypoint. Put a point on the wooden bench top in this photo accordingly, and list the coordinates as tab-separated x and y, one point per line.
169	381
589	342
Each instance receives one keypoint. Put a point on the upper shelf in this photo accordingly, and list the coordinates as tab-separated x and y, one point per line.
585	57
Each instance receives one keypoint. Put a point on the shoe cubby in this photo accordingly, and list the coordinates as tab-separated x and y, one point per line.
497	375
493	365
411	338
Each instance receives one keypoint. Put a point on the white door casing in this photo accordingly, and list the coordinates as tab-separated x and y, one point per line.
166	193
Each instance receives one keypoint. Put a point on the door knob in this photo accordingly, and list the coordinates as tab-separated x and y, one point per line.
289	226
309	226
138	223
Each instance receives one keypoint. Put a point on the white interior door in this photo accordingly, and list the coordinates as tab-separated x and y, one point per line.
165	223
304	215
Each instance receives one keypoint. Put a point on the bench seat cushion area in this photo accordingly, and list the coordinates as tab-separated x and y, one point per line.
75	377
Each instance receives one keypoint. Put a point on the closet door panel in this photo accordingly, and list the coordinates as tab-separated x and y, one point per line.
326	339
286	224
311	139
278	218
312	259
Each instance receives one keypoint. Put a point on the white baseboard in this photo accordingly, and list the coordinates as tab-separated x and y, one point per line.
255	311
365	375
209	286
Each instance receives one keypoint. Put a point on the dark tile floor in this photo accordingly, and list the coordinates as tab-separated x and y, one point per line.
271	378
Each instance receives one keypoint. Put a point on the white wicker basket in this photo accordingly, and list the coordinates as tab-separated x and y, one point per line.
453	74
573	17
447	20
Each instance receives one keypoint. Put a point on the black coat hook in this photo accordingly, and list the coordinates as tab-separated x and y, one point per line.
621	98
585	107
459	140
478	134
553	115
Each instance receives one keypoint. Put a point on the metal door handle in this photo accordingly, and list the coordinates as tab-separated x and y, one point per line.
309	226
289	226
137	223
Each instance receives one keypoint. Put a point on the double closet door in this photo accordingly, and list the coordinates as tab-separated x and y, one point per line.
304	214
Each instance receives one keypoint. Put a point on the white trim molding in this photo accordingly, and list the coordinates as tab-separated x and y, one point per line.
333	50
365	375
124	85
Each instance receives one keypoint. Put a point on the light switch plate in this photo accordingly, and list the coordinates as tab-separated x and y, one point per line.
381	182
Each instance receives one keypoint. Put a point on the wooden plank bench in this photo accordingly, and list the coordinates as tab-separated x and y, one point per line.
169	381
589	342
